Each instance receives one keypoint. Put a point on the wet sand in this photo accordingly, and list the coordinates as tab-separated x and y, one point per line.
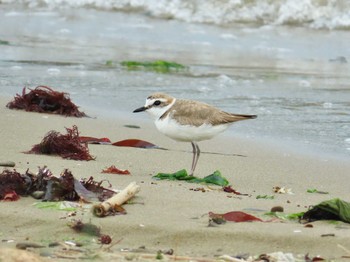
169	215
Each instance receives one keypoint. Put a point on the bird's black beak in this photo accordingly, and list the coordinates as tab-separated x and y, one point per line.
144	108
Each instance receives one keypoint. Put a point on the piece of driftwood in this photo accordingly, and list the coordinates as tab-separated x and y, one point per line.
7	163
112	204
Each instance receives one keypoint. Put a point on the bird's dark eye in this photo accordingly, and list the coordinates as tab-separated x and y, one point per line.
157	103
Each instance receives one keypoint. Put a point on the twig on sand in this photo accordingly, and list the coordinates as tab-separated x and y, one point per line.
112	204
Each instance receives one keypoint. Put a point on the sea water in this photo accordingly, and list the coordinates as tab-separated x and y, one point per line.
286	61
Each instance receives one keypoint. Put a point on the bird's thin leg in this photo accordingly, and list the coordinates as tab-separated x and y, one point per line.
196	153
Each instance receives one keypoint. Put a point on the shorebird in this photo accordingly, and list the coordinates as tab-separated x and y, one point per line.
188	120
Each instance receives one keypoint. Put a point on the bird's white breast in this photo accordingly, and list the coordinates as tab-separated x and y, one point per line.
187	133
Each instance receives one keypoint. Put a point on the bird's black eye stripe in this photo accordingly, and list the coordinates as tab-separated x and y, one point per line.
157	103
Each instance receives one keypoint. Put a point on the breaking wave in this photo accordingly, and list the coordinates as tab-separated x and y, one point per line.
315	14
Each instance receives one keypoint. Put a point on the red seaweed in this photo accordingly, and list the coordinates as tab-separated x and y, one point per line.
67	146
135	143
235	216
12	181
105	239
61	188
96	187
229	189
11	196
65	187
94	140
113	170
44	99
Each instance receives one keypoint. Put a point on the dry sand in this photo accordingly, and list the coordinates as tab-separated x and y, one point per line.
166	214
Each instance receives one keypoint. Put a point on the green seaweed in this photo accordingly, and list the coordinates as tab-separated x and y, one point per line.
109	63
61	206
314	190
159	66
333	209
216	178
159	255
4	42
265	197
284	216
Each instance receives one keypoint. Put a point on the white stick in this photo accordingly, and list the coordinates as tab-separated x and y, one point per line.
119	199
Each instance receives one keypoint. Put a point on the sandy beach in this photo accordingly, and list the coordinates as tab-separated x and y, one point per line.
169	215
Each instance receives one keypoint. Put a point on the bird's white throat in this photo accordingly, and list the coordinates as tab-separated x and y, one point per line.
157	112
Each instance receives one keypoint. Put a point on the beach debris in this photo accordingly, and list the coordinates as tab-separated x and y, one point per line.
201	189
105	239
44	185
69	206
69	214
216	220
123	143
113	170
72	243
265	197
314	190
282	190
159	66
90	229
38	194
7	163
102	193
11	196
95	140
67	146
277	209
135	143
234	216
44	99
159	255
284	216
216	178
66	187
112	205
60	188
25	245
132	126
12	184
313	259
229	189
328	235
334	209
239	258
276	256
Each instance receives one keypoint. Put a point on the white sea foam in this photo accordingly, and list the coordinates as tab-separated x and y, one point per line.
317	14
53	71
16	67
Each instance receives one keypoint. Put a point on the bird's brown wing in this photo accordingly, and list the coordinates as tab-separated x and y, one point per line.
195	113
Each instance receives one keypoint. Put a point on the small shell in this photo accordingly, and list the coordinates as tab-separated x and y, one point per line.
282	190
38	194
